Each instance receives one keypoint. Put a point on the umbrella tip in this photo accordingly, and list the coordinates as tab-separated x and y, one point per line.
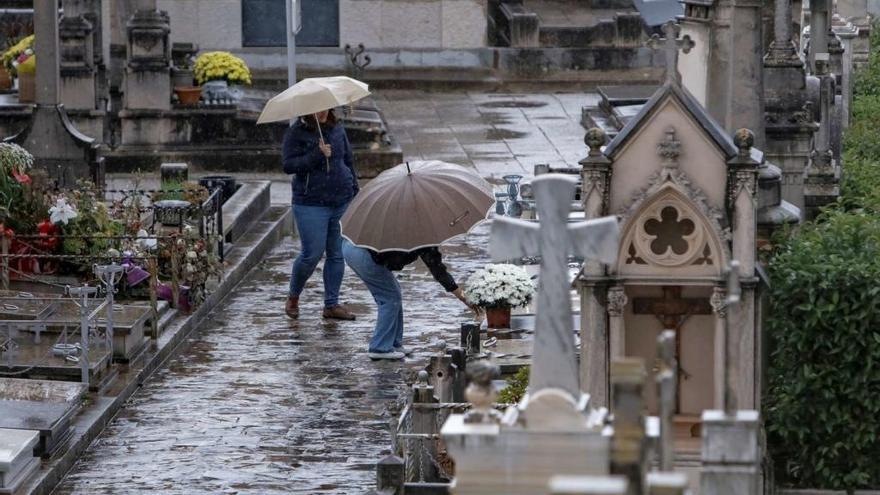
408	170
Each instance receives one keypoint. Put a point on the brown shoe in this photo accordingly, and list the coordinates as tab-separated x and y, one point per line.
292	307
338	312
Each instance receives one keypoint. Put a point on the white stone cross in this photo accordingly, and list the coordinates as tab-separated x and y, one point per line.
671	44
554	364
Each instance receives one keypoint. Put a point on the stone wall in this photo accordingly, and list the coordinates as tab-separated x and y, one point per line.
378	24
413	23
212	24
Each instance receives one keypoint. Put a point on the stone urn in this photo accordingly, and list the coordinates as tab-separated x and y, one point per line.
498	317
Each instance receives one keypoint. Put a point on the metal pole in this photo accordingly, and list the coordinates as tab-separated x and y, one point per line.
291	44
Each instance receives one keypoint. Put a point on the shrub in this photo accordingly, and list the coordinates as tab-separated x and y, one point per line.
824	377
516	387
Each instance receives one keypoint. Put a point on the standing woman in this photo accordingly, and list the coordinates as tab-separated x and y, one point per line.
324	182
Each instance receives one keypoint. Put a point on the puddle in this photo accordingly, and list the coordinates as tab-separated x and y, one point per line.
514	104
499	134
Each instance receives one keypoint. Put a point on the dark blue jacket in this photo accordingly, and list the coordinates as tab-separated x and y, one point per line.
313	184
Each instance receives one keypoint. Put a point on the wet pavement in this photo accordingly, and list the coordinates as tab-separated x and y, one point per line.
257	403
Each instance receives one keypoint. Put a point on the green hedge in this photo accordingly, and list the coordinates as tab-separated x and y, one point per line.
822	406
823	401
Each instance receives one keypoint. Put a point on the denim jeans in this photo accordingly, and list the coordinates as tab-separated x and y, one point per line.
385	289
319	232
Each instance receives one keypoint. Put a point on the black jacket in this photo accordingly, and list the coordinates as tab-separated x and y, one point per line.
312	183
396	260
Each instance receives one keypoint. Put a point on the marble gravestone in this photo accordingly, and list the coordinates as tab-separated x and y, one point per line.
552	431
43	406
17	460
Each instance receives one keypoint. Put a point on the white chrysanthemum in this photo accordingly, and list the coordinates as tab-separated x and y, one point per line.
501	285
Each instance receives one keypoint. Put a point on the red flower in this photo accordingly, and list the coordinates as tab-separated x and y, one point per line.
21	178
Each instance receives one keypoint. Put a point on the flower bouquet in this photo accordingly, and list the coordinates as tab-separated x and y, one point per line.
498	288
215	71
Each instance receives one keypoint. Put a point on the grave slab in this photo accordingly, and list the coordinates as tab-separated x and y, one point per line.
17	460
42	406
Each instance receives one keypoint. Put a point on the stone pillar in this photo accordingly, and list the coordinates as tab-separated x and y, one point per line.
742	200
594	330
719	307
789	124
847	32
628	443
422	451
65	153
47	45
819	23
731	453
78	71
745	96
594	344
616	302
148	75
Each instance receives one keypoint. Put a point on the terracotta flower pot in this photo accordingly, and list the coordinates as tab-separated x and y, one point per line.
498	317
27	87
5	79
188	96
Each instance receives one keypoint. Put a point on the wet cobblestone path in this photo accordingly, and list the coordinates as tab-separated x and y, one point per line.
257	403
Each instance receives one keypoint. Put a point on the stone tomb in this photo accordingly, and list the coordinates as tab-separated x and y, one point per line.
42	406
552	431
17	460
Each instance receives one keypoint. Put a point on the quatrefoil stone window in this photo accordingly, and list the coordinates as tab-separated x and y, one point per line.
669	233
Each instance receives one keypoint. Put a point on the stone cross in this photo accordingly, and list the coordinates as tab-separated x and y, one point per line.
670	45
554	239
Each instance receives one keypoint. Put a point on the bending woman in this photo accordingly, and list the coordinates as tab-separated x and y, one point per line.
324	183
376	270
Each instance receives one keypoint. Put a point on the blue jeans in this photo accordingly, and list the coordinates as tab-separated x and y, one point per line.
319	232
385	289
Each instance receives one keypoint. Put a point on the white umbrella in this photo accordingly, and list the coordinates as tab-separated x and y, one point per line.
313	95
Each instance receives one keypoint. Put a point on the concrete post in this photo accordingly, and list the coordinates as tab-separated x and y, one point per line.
731	453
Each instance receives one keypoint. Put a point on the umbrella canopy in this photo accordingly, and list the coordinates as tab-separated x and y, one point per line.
313	95
416	205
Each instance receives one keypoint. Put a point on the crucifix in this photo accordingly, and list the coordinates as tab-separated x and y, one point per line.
670	45
673	311
554	363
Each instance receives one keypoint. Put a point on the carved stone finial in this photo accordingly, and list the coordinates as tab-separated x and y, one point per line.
423	377
744	139
594	139
669	148
481	393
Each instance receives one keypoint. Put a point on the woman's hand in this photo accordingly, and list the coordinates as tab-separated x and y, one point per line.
325	149
460	295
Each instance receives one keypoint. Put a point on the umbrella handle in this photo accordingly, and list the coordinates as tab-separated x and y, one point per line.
321	136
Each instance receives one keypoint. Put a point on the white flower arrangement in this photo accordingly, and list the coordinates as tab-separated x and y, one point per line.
500	286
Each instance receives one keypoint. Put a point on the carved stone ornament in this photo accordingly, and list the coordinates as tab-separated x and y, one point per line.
669	234
616	301
718	301
669	149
